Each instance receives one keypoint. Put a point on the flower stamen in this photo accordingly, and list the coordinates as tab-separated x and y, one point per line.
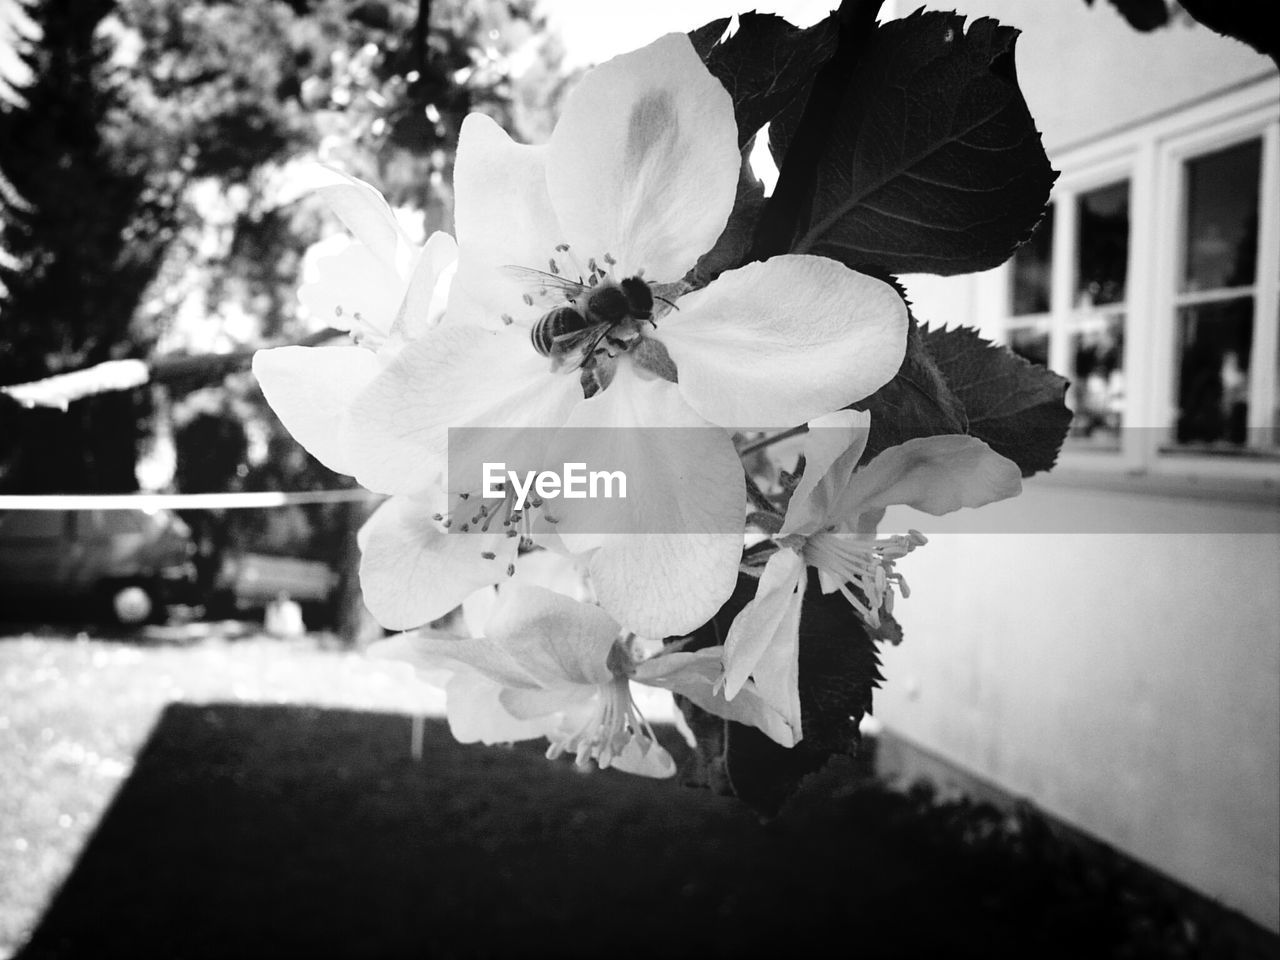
862	563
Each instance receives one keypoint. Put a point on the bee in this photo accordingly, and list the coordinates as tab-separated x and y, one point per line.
595	313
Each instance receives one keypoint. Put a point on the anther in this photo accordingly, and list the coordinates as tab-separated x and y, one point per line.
464	496
337	311
528	300
562	248
554	269
465	528
608	258
437	517
488	555
507	319
511	569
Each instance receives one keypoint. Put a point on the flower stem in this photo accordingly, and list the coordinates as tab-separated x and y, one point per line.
769	441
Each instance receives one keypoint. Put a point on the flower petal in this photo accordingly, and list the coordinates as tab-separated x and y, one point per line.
643	163
426	292
553	571
665	558
832	448
558	641
429	652
777	672
452	377
413	572
531	704
311	390
644	757
504	218
933	474
694	675
777	343
363	211
477	714
772	617
351	289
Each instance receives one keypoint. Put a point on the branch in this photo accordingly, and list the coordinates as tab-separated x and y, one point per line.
63	389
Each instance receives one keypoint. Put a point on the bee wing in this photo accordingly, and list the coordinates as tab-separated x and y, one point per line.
543	287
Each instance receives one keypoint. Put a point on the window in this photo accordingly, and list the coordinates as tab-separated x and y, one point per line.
1096	326
1216	300
1069	312
1153	284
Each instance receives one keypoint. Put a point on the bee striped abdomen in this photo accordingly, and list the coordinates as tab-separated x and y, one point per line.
554	327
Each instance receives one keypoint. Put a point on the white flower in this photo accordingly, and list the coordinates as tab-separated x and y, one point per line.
382	288
548	665
637	181
831	510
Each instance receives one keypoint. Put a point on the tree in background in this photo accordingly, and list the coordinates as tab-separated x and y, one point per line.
153	158
17	33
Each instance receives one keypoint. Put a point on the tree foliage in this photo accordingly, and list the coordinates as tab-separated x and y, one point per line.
150	163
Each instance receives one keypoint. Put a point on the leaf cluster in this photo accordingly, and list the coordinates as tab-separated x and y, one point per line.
902	147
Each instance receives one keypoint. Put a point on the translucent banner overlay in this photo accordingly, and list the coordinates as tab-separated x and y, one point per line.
689	481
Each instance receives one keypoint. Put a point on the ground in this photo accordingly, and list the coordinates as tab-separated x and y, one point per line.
207	794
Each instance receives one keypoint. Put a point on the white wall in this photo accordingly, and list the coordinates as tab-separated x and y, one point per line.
1128	683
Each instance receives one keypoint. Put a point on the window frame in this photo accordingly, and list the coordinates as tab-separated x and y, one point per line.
1174	153
1152	156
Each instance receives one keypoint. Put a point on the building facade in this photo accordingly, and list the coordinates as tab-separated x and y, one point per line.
1109	643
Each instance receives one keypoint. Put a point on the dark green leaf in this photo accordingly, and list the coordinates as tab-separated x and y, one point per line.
839	668
1245	20
734	244
1016	407
1142	15
933	163
917	402
707	36
765	64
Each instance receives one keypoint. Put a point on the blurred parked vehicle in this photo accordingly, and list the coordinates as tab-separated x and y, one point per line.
129	564
254	581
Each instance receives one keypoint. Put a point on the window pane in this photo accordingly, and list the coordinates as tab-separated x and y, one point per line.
1222	218
1097	380
1213	387
1032	266
1102	246
1031	343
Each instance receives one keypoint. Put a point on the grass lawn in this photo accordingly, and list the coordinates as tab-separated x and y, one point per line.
252	797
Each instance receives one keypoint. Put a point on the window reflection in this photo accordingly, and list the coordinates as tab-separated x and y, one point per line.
1213	384
1102	245
1032	268
1031	343
1097	381
1222	219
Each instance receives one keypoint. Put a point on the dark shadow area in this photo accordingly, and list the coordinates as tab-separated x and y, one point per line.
284	831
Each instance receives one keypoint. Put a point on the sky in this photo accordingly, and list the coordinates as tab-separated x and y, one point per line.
595	30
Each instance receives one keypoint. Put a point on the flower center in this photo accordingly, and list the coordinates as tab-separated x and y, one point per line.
594	315
364	333
613	722
865	563
471	513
